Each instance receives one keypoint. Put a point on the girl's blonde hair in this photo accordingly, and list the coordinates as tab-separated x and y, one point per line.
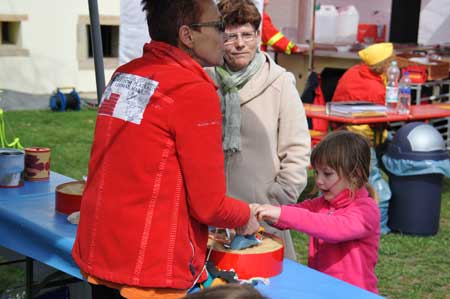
346	152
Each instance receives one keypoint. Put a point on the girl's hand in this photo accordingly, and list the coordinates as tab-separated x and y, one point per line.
254	207
268	213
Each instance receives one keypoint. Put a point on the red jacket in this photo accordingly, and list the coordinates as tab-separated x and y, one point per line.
272	37
359	83
156	175
344	235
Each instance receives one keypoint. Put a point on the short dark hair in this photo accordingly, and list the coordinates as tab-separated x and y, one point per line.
240	12
165	17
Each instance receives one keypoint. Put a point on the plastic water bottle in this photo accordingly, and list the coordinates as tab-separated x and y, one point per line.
404	98
393	73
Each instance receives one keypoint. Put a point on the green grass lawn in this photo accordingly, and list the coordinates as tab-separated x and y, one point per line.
409	266
67	134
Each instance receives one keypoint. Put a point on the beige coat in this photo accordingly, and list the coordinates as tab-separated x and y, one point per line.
275	143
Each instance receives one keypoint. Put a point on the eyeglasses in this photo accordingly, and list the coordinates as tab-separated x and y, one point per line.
245	36
219	25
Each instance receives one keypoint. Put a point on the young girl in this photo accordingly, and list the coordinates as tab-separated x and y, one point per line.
344	222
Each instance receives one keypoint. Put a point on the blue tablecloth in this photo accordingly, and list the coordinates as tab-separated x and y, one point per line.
30	226
300	282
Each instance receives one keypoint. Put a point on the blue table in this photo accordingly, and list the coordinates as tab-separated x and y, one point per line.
30	226
299	281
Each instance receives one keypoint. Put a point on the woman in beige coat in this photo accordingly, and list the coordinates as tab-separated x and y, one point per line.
265	133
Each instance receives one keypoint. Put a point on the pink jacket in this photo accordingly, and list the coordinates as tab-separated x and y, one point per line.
344	235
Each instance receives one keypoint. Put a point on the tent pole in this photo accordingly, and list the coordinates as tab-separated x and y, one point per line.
97	48
311	39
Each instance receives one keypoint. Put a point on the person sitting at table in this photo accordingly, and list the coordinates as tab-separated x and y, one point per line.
362	82
156	175
344	221
366	81
265	133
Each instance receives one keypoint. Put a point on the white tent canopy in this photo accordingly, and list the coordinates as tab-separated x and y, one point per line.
133	33
434	22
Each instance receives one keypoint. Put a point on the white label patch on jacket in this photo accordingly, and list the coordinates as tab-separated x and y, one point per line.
127	96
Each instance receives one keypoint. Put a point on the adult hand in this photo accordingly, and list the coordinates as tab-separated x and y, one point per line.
250	228
268	213
295	49
300	49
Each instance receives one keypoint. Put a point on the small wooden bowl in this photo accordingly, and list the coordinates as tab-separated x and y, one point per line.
68	197
251	262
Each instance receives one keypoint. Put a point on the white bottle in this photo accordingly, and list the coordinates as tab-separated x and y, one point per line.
393	73
404	97
325	24
347	24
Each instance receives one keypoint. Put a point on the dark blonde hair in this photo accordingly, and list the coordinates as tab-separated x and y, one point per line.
382	66
240	12
347	153
227	291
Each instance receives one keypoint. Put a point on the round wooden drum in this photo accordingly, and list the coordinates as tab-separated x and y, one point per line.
68	197
263	260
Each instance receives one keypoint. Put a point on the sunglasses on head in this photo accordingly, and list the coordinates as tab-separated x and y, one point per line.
219	25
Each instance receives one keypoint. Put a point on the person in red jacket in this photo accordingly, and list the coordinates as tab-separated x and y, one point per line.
156	173
343	223
366	81
272	37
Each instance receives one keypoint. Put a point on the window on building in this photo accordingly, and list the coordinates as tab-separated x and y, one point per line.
11	35
9	32
109	28
110	40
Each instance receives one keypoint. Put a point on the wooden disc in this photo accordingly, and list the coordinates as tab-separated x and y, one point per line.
73	188
267	244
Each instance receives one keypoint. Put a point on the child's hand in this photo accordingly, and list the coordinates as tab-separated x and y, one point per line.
254	207
268	213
